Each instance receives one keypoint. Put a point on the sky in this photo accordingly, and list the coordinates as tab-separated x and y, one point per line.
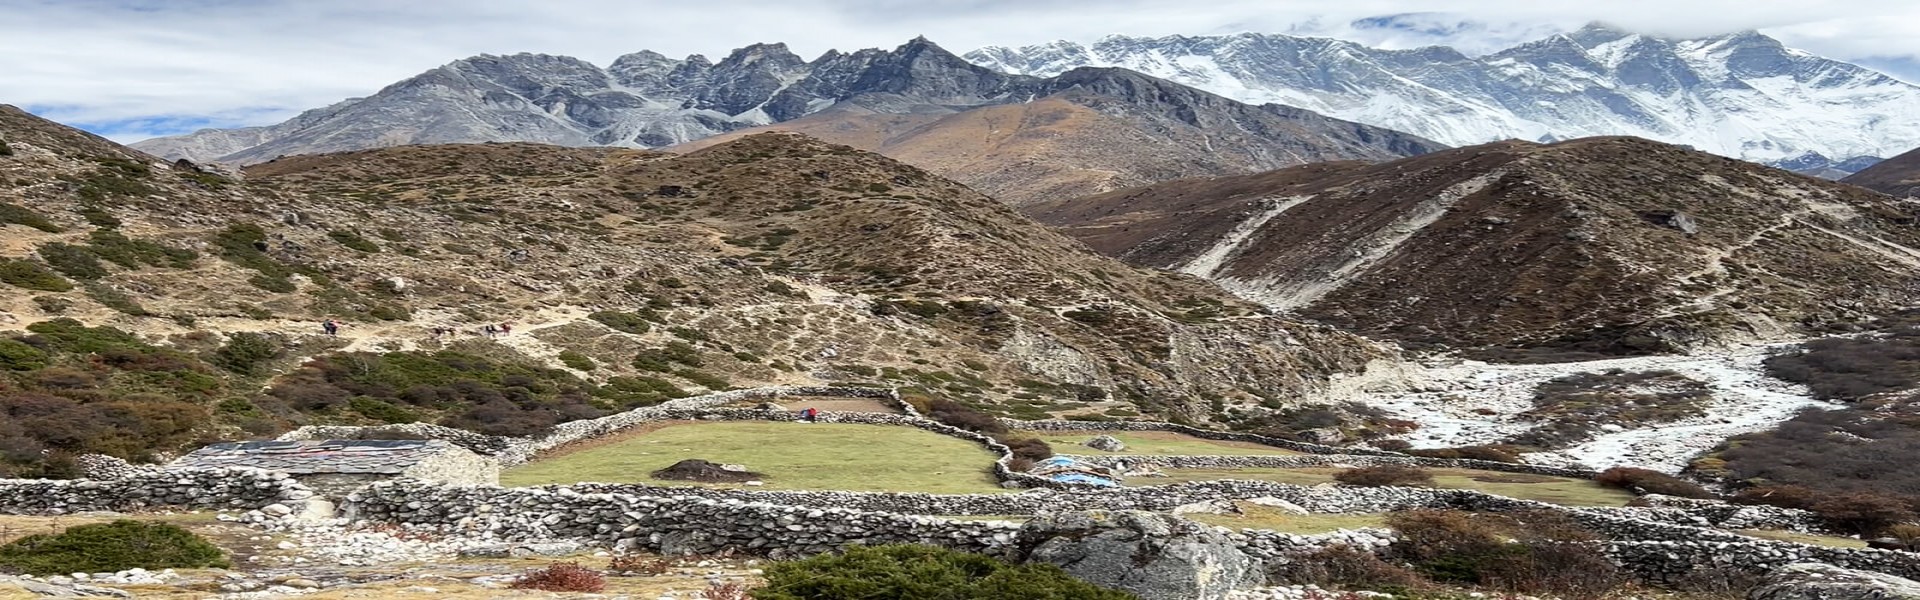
133	69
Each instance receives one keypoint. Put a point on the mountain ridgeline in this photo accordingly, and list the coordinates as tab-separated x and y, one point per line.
1600	245
646	100
1743	95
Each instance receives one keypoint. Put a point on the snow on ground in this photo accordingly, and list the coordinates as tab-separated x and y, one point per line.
1470	403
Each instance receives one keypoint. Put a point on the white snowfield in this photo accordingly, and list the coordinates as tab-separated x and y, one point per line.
1741	95
1470	403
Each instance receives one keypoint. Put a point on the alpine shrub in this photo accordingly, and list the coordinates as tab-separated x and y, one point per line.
866	572
105	547
1385	475
563	577
1651	482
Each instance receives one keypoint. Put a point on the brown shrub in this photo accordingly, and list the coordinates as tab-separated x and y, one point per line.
1863	513
1645	481
1486	453
963	416
1027	447
1385	475
1393	445
1528	552
636	565
1344	567
562	577
725	590
1783	496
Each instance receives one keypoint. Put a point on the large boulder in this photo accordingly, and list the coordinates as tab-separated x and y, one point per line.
1818	581
1154	556
1105	443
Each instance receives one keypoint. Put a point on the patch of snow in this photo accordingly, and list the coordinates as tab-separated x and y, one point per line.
1472	403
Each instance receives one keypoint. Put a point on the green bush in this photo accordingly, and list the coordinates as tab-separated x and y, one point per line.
864	573
353	240
112	298
624	322
16	355
106	547
23	274
99	217
661	360
577	361
15	214
634	392
5	150
381	410
67	335
119	249
705	379
74	261
245	352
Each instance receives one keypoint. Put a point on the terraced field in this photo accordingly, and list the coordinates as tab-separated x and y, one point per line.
1156	443
796	456
1557	490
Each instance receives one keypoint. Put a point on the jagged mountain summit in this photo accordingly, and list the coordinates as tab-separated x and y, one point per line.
1898	176
1095	130
646	100
1605	245
1743	95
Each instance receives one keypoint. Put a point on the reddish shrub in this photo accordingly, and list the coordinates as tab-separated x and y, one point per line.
644	566
1863	513
725	590
1645	481
563	577
1027	447
1385	475
1783	496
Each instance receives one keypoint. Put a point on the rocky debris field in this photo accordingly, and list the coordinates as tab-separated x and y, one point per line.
1468	403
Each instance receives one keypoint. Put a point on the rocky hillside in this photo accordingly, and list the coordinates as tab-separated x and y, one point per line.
1743	95
1612	245
1096	130
627	277
1898	176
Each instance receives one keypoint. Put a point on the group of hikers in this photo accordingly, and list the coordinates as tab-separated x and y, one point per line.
332	328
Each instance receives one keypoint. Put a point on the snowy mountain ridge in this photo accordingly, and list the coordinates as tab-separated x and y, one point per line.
1743	95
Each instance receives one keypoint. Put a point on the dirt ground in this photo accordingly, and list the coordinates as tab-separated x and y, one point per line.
857	405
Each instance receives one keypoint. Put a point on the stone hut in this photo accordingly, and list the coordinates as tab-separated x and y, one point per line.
336	467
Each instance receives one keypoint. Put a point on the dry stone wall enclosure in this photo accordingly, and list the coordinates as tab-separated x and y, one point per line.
1666	539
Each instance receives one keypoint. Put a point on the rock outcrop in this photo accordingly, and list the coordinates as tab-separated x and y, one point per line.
1105	443
1816	581
1154	556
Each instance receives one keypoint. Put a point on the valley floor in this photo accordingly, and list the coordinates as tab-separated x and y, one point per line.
1467	403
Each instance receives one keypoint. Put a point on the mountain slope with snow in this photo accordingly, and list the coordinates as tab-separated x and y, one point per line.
1741	95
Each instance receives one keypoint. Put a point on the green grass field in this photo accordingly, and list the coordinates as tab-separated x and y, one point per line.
1557	490
1805	538
1254	516
1156	443
793	456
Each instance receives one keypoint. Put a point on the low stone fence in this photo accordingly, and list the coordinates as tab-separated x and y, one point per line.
782	524
1302	461
479	443
682	525
229	489
1208	434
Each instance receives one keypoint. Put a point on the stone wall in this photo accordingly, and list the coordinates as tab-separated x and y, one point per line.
457	466
1321	460
234	489
781	524
476	442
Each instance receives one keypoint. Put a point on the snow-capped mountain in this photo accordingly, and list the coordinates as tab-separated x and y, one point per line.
1743	95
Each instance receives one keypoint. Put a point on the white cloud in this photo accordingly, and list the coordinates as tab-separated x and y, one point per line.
138	67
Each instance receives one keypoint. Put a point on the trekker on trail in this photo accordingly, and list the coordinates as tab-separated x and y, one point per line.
489	330
809	414
330	326
506	328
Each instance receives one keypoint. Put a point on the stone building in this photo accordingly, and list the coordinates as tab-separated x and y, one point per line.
336	467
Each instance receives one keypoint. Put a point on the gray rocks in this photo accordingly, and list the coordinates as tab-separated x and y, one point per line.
1105	443
53	590
1815	581
1153	556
